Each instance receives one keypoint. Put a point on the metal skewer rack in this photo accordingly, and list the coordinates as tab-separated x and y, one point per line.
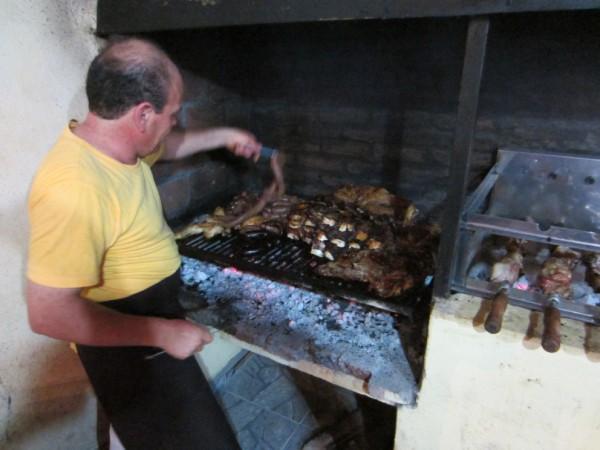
550	198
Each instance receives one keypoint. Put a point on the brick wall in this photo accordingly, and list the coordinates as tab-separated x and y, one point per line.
374	102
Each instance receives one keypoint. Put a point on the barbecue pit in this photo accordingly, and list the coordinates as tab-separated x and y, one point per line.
376	103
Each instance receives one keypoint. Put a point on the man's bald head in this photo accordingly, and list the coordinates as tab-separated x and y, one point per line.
126	73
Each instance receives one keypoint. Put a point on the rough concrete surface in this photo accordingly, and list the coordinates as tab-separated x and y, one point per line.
45	47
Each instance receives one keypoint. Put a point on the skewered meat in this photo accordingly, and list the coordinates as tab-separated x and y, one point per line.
556	274
555	278
505	271
568	254
508	268
592	274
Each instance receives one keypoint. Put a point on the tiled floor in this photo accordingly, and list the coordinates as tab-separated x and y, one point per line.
266	409
272	407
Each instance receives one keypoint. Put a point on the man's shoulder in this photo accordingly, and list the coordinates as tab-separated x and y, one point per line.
68	162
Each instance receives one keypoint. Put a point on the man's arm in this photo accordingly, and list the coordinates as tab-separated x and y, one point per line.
182	143
63	314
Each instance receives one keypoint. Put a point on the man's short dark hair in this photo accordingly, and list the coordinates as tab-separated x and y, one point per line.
127	72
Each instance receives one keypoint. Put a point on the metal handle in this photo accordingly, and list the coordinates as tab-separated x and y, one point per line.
551	336
493	323
267	152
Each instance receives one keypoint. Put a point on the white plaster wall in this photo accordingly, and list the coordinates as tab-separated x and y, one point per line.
492	392
45	47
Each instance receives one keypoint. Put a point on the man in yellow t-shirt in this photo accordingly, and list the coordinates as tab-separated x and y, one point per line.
103	264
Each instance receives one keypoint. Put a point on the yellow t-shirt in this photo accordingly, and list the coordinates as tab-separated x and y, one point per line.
97	224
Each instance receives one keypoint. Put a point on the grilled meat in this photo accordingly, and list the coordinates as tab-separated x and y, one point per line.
332	230
273	217
273	192
240	204
555	277
387	275
391	270
280	208
557	272
377	201
209	227
361	233
592	274
509	267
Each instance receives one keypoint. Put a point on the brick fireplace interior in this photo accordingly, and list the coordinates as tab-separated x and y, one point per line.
374	102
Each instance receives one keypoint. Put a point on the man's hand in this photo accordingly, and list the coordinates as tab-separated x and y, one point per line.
242	143
181	339
62	314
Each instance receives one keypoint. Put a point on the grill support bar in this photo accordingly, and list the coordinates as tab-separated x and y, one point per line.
460	158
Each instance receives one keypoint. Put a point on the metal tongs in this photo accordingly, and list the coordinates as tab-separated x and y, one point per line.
274	191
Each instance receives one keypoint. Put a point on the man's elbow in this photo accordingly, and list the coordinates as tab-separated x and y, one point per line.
37	314
50	311
37	321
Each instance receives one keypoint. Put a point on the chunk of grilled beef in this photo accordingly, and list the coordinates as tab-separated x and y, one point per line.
273	218
377	201
387	274
391	270
333	230
240	204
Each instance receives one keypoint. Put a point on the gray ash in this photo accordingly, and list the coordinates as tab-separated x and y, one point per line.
264	299
301	324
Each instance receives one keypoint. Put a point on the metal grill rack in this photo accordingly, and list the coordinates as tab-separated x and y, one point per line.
290	262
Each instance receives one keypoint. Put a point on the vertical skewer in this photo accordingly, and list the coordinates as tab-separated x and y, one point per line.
493	323
506	272
555	281
551	336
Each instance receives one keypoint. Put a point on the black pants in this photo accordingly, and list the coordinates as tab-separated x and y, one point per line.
162	403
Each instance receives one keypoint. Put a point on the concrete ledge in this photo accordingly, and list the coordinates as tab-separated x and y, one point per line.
503	391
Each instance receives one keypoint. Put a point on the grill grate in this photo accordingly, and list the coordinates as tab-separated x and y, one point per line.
286	261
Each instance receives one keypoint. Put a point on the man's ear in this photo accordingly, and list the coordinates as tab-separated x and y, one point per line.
142	114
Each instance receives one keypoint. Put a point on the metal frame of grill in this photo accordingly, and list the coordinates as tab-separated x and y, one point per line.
283	260
487	208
